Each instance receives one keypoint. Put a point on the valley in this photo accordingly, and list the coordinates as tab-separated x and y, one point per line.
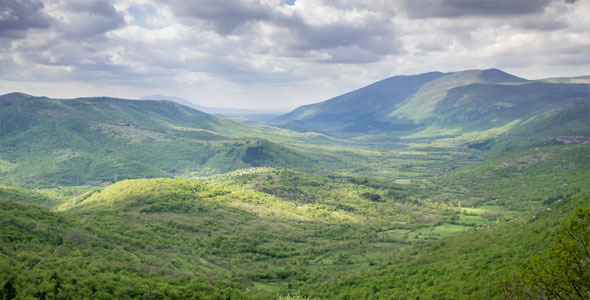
430	186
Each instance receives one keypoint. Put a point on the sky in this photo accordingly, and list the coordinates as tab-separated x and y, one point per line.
277	54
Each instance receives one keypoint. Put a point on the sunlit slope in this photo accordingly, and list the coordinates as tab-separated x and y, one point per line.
260	232
52	142
484	106
422	104
191	239
265	231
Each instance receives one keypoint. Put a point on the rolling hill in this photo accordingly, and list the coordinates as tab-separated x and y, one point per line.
437	105
261	232
51	142
188	239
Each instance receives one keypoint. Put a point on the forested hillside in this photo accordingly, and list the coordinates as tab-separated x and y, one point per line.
466	185
49	142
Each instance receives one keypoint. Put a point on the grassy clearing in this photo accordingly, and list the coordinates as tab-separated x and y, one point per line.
436	232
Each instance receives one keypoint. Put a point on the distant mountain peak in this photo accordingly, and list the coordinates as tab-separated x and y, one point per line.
492	75
498	76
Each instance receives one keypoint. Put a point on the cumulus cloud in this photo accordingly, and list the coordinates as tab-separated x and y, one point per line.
86	19
332	31
223	16
18	16
461	8
246	52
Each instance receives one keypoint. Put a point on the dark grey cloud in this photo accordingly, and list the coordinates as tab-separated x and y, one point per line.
76	37
223	16
367	38
90	18
18	16
328	36
461	8
346	42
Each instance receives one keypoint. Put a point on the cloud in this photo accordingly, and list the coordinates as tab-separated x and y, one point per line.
17	17
86	19
223	16
462	8
328	32
249	51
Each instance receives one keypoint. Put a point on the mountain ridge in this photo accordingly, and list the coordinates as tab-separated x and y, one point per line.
52	142
372	110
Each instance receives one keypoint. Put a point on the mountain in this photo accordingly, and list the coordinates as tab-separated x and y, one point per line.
434	105
221	111
461	179
358	111
52	142
577	79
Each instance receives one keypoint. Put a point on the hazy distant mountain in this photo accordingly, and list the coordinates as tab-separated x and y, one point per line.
221	111
178	100
442	103
578	79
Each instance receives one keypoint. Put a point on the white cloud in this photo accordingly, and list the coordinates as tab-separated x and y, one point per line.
265	53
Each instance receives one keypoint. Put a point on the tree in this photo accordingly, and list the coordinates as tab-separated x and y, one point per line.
8	292
563	272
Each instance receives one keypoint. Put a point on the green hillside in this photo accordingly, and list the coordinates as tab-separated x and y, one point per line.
48	255
184	236
478	264
435	186
262	232
10	193
49	142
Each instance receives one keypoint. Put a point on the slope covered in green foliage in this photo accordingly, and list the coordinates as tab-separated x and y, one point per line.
175	233
48	255
477	264
451	184
524	179
49	142
258	233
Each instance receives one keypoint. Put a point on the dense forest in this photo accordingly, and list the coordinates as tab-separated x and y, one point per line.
467	185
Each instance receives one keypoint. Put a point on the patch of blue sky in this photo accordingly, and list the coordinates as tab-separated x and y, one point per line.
141	15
